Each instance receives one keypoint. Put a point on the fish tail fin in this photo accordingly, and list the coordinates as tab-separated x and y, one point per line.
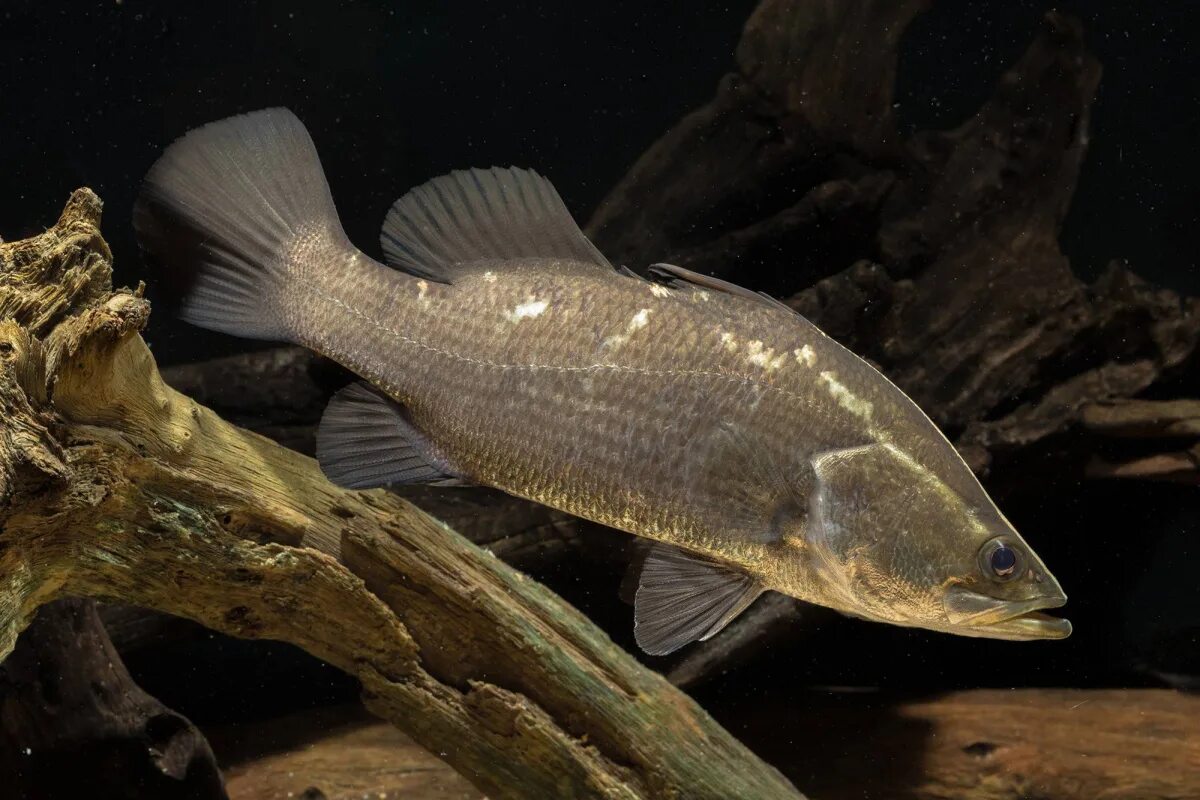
240	212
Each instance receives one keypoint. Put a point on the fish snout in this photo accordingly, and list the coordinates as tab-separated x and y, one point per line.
976	614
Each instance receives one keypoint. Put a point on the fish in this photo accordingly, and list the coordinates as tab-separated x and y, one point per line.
497	346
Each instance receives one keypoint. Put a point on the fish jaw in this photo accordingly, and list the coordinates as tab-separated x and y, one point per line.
973	614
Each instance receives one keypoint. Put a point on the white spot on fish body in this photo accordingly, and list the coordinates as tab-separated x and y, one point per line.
489	276
658	290
532	308
639	321
805	356
729	342
764	356
422	290
846	398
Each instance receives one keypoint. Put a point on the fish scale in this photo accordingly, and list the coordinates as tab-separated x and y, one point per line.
458	385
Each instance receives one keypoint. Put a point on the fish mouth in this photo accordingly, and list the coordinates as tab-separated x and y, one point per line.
974	614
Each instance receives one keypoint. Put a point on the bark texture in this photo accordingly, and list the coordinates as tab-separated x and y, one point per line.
116	487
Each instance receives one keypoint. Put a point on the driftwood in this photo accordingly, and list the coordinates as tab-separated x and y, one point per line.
334	753
950	278
1171	427
116	487
1049	744
68	708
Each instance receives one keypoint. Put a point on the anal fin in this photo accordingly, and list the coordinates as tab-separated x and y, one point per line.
365	441
683	597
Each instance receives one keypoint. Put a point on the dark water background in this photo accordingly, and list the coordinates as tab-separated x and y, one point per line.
397	93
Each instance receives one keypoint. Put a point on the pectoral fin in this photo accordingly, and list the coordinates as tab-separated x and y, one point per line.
683	597
365	442
736	474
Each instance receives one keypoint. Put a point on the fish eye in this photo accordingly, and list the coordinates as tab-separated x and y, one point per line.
1001	560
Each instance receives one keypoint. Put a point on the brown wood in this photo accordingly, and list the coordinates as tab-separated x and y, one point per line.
114	486
72	717
338	753
1049	744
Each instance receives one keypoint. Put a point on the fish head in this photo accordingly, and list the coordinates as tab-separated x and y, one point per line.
892	542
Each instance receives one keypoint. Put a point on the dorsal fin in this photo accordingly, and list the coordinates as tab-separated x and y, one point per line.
674	276
443	227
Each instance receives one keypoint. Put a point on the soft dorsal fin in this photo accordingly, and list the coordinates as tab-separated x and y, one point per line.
470	216
683	597
364	441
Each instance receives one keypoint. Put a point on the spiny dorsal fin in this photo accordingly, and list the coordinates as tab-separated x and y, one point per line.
364	442
683	597
442	227
674	276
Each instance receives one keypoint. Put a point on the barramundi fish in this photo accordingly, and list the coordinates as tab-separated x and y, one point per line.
500	347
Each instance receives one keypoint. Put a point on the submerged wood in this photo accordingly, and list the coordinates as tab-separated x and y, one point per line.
987	744
71	716
114	486
337	753
1049	744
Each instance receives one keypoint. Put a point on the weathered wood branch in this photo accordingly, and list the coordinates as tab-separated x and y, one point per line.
1051	744
1157	440
71	715
114	486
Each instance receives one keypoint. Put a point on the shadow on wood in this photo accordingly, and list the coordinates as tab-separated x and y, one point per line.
71	720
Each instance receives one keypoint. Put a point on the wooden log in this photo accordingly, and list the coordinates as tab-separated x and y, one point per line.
114	486
332	753
1157	439
278	392
987	744
72	719
1049	744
